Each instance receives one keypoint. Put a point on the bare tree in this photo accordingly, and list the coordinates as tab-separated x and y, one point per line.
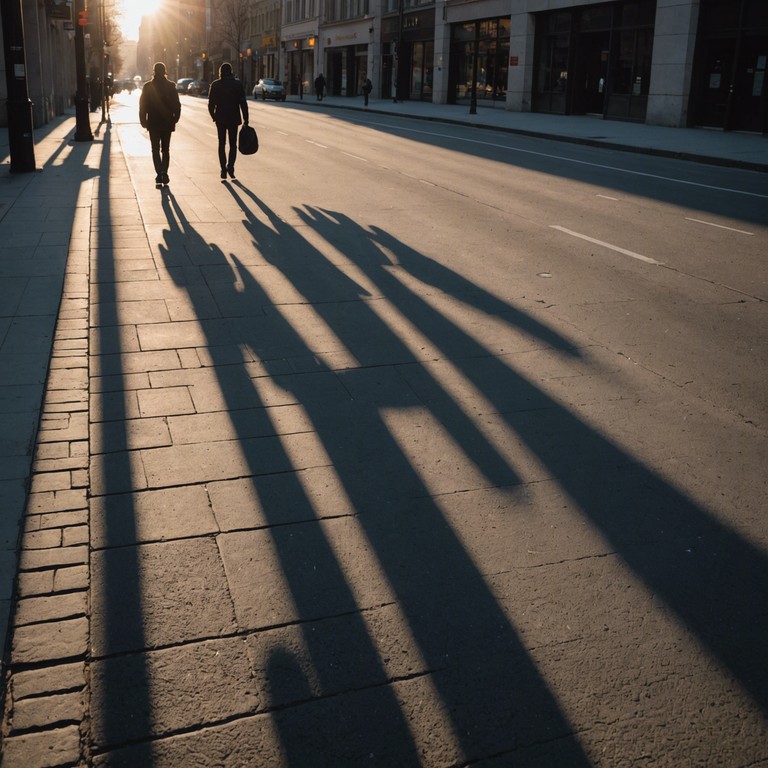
232	18
113	38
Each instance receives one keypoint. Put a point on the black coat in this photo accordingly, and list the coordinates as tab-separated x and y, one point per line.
159	105
226	99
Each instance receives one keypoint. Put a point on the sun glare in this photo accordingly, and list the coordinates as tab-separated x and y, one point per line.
131	13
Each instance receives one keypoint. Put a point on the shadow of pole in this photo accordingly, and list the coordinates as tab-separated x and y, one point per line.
119	576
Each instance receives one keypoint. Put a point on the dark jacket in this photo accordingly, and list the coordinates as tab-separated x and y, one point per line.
226	99
159	105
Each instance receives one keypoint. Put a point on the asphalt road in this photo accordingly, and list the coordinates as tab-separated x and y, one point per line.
516	513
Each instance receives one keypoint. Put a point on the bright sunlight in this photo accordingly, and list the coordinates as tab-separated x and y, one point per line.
131	12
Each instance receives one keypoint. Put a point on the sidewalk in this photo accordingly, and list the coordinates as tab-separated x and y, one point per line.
45	219
38	234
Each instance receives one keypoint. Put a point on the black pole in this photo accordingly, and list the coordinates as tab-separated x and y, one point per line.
21	139
102	48
301	70
82	116
398	44
476	56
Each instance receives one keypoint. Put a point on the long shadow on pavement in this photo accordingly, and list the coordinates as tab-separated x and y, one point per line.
118	612
712	578
491	691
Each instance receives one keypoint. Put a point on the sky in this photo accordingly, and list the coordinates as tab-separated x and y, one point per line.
131	12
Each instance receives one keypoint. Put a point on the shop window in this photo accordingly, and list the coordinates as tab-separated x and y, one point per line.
559	21
489	40
722	15
631	74
636	14
552	74
596	18
757	14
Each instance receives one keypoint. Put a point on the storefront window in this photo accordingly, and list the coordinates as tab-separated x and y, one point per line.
596	18
731	64
490	39
636	14
552	73
600	63
625	64
421	70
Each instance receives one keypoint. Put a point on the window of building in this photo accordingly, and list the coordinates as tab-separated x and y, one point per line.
489	41
595	59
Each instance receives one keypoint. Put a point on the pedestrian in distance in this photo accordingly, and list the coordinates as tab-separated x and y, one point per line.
367	88
226	101
319	86
159	111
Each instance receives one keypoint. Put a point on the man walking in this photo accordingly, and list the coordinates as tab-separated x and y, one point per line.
226	100
319	86
159	111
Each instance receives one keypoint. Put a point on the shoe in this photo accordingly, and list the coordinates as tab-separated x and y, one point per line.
231	171
159	178
165	178
223	173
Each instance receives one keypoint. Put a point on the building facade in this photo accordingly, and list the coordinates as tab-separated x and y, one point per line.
665	62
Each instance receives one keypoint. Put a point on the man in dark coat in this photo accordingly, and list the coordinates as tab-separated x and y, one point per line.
226	100
159	111
319	86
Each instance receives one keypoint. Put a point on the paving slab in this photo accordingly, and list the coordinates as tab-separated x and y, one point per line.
151	595
122	520
172	675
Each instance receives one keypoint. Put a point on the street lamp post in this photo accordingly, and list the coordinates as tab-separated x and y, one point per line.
475	57
103	48
398	46
301	70
82	118
21	139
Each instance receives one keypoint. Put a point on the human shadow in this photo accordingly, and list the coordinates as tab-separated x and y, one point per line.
712	578
491	691
340	654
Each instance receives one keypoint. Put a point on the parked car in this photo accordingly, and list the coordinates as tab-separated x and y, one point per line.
268	88
182	83
198	88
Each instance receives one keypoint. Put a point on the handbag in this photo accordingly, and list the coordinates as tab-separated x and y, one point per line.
248	141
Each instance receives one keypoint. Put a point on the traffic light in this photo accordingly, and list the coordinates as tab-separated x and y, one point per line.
83	19
203	56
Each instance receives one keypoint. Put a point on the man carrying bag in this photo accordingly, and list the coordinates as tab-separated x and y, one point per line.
226	100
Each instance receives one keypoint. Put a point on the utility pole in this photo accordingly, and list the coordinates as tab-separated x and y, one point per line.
82	117
475	57
21	139
103	50
398	50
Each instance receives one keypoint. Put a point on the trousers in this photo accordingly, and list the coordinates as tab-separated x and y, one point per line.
227	132
161	150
